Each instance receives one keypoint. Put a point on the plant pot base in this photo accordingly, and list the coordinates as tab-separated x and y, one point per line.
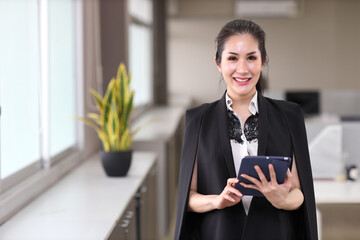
116	164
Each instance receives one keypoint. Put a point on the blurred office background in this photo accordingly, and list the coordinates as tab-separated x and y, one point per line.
52	52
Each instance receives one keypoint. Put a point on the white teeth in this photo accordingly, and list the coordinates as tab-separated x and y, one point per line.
241	80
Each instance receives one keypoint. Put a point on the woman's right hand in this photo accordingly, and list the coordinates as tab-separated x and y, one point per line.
204	203
230	196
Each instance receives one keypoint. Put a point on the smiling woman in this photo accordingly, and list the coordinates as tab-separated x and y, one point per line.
240	65
220	134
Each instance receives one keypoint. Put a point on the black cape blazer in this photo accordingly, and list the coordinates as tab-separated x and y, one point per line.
277	120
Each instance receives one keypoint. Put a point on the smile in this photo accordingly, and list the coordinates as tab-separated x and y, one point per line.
241	79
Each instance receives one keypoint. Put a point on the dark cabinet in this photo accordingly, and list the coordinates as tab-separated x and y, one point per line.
139	221
125	228
146	208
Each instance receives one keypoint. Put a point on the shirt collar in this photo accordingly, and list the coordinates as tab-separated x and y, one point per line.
253	107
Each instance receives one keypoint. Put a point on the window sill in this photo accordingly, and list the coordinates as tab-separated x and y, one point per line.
19	196
86	204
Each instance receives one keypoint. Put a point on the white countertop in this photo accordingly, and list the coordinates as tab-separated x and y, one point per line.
158	124
336	192
83	205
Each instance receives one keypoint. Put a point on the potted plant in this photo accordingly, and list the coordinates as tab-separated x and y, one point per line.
112	123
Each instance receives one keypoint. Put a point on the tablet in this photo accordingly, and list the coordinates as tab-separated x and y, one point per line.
281	165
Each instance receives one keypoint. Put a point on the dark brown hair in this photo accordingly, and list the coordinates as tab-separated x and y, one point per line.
240	26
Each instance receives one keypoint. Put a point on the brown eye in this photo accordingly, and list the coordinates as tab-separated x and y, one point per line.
232	58
251	58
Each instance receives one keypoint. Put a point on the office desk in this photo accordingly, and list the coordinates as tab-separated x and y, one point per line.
339	205
332	192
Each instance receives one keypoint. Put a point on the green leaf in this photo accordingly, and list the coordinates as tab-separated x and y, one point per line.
95	117
107	103
122	92
98	100
102	136
112	123
124	140
128	110
104	140
88	122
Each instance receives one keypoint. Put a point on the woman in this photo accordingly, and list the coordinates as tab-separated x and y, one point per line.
243	122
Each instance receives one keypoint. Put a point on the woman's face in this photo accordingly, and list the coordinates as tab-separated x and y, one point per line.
241	65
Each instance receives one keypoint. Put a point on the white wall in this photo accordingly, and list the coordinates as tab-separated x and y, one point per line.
318	49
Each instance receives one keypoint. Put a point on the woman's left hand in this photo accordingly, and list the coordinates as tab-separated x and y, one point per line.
275	193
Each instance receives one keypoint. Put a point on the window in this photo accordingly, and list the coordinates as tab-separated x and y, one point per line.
62	95
37	84
140	50
19	85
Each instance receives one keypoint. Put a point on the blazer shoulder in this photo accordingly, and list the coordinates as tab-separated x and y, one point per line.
196	113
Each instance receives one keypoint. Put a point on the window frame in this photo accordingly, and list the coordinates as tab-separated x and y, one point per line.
20	187
93	65
149	26
46	161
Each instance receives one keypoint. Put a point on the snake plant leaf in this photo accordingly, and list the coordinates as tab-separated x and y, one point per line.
128	143
118	97
88	122
128	110
98	100
107	102
95	117
125	138
113	125
116	101
121	71
112	122
122	92
129	78
107	98
104	139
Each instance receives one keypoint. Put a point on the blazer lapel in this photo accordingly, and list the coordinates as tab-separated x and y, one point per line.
224	136
263	125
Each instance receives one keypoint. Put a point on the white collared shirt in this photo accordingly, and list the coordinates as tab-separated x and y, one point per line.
241	145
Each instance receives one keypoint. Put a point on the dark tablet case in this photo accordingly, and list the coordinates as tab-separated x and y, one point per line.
281	165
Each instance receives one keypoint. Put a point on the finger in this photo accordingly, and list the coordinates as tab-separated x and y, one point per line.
227	197
289	173
252	186
261	174
234	191
237	198
289	176
232	181
251	179
272	173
